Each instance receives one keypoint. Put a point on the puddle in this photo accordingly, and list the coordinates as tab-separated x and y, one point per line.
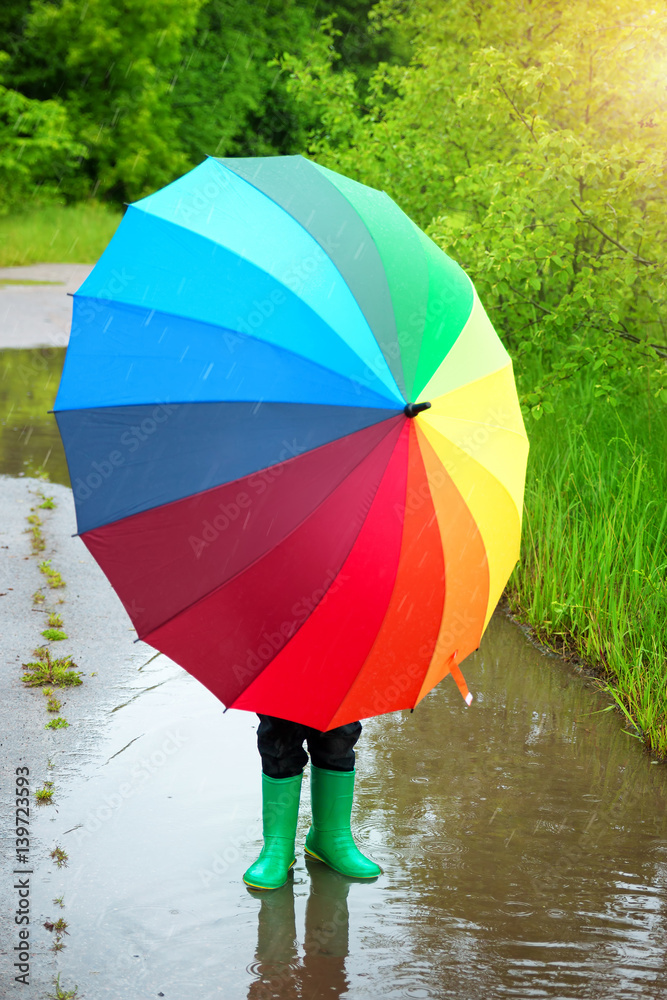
29	438
523	841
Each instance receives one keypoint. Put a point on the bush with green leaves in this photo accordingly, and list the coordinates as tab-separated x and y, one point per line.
40	155
525	138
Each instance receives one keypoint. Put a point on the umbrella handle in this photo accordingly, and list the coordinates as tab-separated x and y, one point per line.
412	409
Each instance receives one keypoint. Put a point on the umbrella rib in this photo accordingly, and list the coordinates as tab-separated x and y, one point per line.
283	539
422	331
391	297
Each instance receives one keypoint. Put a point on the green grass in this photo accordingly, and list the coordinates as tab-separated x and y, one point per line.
57	234
592	576
4	282
54	634
59	993
58	723
54	578
35	530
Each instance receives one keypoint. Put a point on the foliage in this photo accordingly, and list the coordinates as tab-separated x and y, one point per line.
229	95
229	99
112	62
151	86
533	131
37	541
13	14
39	155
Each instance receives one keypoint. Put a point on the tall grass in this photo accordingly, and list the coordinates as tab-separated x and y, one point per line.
65	234
592	578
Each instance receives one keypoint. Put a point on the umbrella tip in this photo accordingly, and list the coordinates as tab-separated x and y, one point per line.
412	409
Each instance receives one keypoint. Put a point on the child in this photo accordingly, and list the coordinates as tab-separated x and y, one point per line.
329	839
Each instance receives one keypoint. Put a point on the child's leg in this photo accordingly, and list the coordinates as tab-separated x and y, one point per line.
280	744
331	794
334	750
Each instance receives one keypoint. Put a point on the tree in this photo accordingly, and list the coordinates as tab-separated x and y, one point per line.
151	86
226	93
39	156
525	137
229	93
112	63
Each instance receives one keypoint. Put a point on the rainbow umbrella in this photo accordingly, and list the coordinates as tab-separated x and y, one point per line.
294	440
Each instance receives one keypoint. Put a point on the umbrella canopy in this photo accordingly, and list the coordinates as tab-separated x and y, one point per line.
250	464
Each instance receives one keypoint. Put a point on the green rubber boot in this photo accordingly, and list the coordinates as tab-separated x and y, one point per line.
280	812
330	838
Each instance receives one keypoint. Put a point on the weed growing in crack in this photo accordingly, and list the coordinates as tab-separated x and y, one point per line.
53	577
59	856
54	634
58	723
44	670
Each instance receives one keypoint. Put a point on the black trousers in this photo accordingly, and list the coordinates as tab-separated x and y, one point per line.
280	744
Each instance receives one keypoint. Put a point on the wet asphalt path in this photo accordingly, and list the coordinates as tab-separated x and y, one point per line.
38	315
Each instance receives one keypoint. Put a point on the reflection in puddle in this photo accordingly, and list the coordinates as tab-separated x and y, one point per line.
279	969
29	438
524	844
